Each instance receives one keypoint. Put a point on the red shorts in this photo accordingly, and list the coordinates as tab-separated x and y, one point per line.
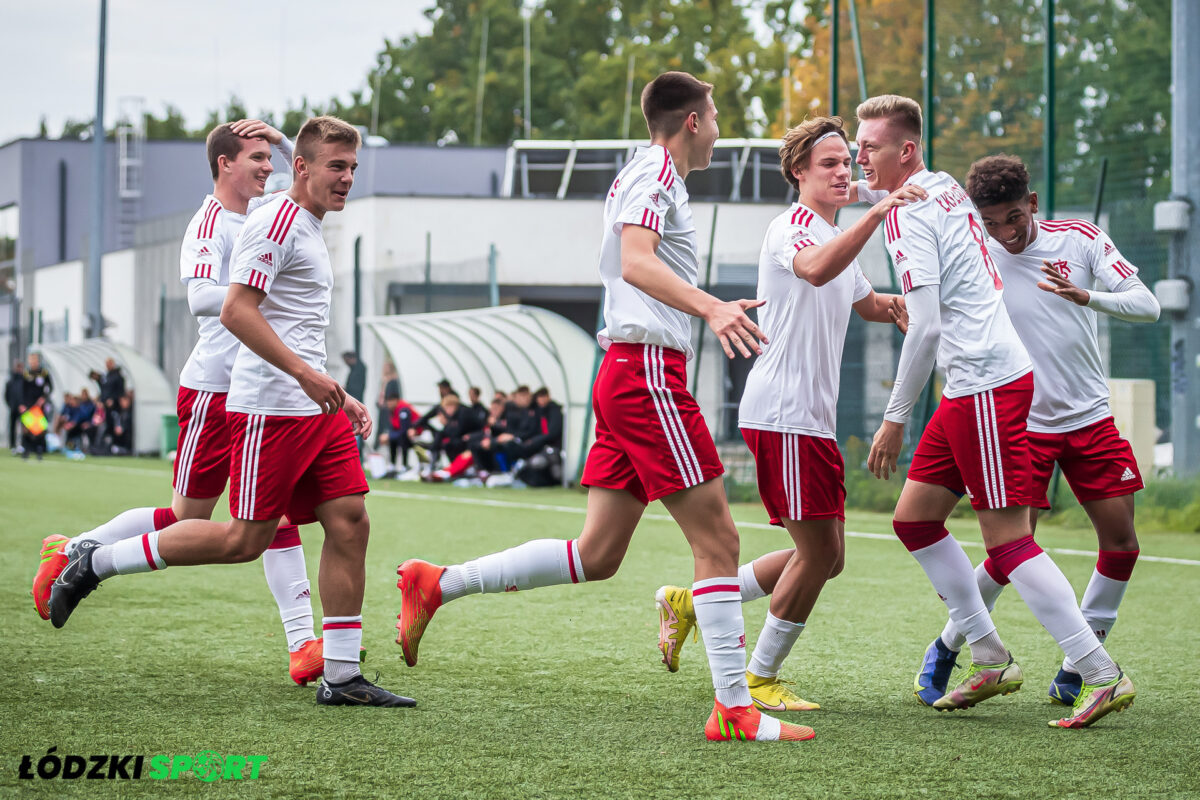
202	454
651	440
977	444
1097	462
291	465
799	477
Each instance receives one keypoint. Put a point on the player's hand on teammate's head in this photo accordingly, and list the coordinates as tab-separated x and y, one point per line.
736	330
1057	283
885	450
255	128
898	311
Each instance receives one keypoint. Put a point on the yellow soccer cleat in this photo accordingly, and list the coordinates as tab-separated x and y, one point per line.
676	618
981	682
772	694
1096	701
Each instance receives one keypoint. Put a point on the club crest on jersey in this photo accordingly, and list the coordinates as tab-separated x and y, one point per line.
266	258
1062	268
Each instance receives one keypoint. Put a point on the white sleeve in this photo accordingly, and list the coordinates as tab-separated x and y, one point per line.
285	149
919	352
862	286
1130	301
870	196
205	298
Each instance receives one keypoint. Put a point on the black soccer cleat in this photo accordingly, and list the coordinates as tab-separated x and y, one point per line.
75	582
360	692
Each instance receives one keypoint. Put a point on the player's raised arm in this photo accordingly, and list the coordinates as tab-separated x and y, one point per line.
642	269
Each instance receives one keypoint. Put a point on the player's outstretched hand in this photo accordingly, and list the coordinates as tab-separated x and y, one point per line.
898	311
254	128
908	193
885	450
1055	283
323	390
360	420
734	329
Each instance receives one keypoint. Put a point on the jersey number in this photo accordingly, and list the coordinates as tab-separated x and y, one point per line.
988	263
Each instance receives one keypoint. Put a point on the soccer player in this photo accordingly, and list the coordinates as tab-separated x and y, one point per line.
294	450
809	279
239	156
1049	271
976	441
651	441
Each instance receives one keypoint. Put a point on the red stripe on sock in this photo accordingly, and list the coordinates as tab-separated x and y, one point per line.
1008	557
338	626
919	535
285	536
719	587
146	549
998	576
1116	565
164	517
571	560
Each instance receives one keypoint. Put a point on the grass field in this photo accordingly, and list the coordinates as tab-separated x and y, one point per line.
560	692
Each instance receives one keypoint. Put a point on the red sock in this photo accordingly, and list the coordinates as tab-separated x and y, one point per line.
1116	564
164	517
285	536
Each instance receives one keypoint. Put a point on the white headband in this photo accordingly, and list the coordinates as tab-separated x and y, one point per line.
825	136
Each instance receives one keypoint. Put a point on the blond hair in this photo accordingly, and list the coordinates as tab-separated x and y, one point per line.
903	112
323	130
796	149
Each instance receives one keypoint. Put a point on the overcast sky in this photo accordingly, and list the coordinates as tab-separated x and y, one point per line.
193	55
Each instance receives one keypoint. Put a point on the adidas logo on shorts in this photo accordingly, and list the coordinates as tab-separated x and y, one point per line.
1128	475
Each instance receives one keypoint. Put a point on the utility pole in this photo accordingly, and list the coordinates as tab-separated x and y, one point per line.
95	319
1178	216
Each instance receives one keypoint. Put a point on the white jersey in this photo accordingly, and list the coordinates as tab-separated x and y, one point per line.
793	385
940	241
650	193
281	251
207	246
1070	390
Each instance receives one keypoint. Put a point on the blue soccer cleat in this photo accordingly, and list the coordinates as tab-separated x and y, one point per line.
1065	687
934	674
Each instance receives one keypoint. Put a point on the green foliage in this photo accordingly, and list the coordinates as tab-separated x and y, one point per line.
556	692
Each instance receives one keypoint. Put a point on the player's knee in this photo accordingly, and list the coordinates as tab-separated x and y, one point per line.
243	545
600	567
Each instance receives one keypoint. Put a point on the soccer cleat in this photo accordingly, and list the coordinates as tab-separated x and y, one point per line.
934	674
772	694
358	691
676	618
53	561
1064	689
748	724
75	582
981	682
420	598
1096	701
307	663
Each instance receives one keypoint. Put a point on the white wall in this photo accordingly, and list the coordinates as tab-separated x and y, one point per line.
59	290
117	298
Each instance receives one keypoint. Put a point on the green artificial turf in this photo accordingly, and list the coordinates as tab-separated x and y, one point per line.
559	692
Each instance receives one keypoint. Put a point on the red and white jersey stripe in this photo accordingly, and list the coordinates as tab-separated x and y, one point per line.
1070	384
990	450
191	441
282	252
669	417
647	193
251	445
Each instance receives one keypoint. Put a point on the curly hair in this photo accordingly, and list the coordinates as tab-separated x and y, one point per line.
795	150
997	179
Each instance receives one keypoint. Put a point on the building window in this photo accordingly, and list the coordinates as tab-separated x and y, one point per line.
9	222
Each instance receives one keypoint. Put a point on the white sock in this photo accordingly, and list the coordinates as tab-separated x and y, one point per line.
343	638
1101	600
990	591
541	562
1050	597
748	583
949	570
718	604
129	523
128	556
287	578
773	645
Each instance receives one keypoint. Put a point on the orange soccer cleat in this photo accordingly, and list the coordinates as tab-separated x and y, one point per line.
307	663
53	561
420	598
748	724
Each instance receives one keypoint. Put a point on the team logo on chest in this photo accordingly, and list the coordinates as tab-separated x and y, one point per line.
1062	268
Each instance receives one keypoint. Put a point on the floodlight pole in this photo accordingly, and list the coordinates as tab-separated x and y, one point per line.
1048	135
95	319
833	57
527	16
930	48
1184	264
